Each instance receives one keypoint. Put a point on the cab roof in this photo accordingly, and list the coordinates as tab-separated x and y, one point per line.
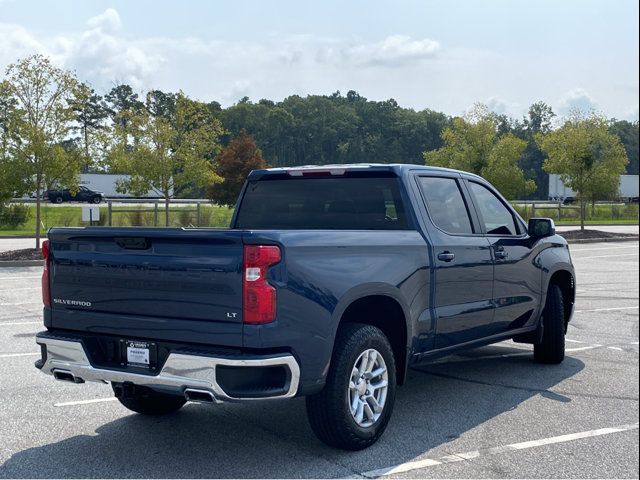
340	169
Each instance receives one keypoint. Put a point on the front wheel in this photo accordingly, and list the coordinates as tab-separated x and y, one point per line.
353	409
57	200
551	347
148	402
96	200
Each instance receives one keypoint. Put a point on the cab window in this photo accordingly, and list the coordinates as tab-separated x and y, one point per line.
497	218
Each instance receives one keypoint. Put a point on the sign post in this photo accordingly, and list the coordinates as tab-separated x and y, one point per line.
90	214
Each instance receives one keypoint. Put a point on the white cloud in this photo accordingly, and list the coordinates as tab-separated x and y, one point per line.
394	50
578	100
107	21
502	107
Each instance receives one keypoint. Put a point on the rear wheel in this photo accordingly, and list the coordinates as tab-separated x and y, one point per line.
551	347
96	200
148	402
353	409
58	200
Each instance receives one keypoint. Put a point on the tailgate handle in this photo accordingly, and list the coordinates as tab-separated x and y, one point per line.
133	243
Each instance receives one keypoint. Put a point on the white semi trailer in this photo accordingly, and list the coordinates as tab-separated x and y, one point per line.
106	183
628	190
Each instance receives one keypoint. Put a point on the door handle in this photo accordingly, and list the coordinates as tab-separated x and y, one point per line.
500	253
446	256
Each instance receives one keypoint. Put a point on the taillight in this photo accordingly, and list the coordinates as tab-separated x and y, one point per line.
259	297
46	289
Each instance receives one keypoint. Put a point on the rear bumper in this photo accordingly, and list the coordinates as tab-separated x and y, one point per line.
66	359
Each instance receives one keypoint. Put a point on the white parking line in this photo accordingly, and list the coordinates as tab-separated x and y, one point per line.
606	309
18	278
461	457
19	323
580	349
600	248
607	256
573	341
10	355
618	349
20	288
18	303
85	402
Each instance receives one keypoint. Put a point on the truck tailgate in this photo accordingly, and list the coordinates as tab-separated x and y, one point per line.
173	284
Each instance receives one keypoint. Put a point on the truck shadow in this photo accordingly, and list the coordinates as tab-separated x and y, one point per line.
439	403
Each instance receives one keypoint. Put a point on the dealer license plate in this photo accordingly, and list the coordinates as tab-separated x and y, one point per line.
138	354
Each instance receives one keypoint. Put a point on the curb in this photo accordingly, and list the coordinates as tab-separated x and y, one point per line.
21	236
600	240
21	263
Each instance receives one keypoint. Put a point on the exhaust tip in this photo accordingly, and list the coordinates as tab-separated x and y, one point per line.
66	376
199	396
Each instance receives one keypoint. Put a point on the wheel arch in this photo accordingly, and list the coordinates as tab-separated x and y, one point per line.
386	310
565	279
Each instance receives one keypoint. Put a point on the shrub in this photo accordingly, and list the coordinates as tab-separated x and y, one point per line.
14	215
184	218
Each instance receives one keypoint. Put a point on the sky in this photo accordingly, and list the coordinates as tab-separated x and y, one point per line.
441	55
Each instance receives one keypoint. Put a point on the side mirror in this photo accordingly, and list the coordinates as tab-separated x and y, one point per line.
541	227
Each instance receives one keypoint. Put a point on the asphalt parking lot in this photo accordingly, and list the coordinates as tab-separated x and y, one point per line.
491	412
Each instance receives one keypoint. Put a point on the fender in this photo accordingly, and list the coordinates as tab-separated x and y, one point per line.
554	257
376	289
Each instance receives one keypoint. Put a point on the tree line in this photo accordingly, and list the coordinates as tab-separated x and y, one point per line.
53	127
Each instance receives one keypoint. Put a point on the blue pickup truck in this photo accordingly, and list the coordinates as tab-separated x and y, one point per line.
330	283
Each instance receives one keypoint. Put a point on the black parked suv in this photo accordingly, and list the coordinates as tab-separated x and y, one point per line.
82	195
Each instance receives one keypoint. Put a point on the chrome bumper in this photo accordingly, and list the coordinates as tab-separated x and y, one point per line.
66	358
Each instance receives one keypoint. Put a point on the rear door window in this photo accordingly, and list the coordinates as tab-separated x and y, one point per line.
445	204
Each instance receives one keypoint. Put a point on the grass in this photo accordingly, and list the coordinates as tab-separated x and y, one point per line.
71	216
216	216
600	214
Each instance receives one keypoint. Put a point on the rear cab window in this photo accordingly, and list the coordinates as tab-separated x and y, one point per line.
345	202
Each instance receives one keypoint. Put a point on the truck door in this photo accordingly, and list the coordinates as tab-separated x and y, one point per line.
463	265
517	280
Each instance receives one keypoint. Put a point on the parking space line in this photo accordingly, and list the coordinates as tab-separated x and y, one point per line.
85	402
18	278
606	309
20	288
460	457
607	256
14	304
11	355
601	248
3	324
580	349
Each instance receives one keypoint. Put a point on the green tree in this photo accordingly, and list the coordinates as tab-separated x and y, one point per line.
473	144
11	177
42	94
233	164
538	121
123	104
91	112
167	154
628	133
587	156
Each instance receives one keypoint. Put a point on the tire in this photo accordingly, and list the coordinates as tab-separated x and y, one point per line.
551	348
96	200
151	403
57	200
330	411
